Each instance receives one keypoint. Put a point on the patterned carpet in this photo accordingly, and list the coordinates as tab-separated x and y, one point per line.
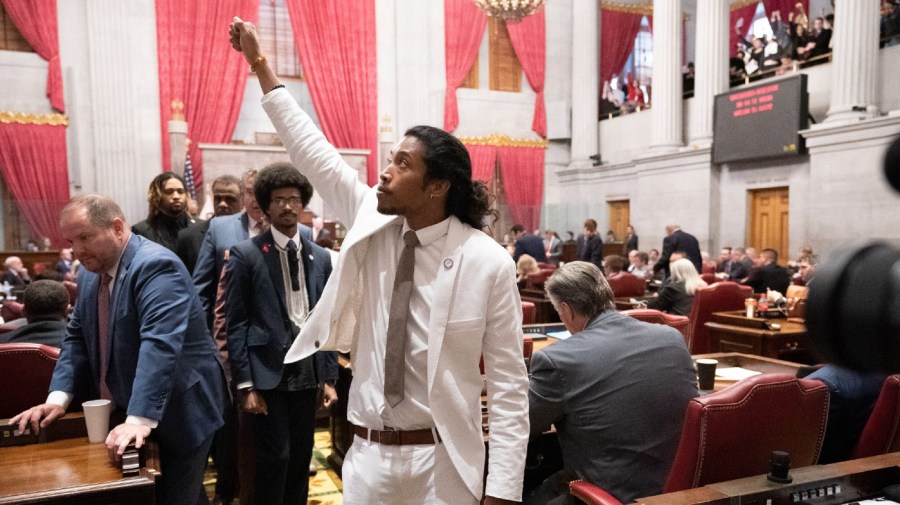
324	487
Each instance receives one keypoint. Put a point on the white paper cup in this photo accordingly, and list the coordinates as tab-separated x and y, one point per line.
96	416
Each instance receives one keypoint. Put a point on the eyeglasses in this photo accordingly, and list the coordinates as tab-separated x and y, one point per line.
295	201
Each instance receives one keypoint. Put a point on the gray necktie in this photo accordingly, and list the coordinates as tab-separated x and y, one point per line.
395	350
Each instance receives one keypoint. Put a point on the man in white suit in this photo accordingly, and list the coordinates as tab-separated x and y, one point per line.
463	305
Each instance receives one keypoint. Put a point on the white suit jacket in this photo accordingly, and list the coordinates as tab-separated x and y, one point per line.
476	311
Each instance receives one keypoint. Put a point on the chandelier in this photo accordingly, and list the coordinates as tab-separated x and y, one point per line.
509	10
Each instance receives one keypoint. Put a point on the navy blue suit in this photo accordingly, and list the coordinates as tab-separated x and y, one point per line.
531	245
259	335
680	241
161	360
223	233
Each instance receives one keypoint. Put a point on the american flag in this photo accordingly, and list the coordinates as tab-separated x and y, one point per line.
189	176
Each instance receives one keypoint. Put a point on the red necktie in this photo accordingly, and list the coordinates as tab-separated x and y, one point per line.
103	332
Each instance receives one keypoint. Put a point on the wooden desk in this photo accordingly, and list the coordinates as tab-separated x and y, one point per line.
732	331
750	362
72	471
858	479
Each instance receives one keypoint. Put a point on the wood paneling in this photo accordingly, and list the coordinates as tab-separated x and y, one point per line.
619	218
505	69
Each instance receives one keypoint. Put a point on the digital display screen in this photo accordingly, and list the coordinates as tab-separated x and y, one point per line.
761	121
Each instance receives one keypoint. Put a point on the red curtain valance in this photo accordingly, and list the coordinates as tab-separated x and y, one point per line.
37	21
336	44
199	67
33	164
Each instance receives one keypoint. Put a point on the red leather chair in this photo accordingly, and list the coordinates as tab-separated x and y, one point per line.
881	434
25	372
546	266
536	281
709	278
12	310
708	268
627	284
731	434
718	297
528	312
680	323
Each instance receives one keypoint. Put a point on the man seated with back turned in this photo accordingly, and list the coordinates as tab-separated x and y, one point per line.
527	243
46	303
616	390
769	274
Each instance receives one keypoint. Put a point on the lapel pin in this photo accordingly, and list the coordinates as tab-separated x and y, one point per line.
448	263
310	257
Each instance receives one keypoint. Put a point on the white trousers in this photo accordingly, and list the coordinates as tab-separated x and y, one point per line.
401	474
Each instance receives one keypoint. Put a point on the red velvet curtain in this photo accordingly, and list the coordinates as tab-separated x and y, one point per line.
745	14
617	32
33	164
199	67
483	162
464	25
36	20
786	7
336	43
529	42
522	169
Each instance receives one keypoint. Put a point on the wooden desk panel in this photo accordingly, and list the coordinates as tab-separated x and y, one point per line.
730	332
70	471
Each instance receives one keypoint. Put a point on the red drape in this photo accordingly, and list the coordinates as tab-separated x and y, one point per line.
464	25
529	43
36	20
33	164
786	7
336	44
744	14
522	169
617	32
483	160
199	67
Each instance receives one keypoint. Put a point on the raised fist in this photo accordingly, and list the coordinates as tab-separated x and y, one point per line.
243	38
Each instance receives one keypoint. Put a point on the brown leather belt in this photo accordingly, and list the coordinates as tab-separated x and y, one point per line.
396	437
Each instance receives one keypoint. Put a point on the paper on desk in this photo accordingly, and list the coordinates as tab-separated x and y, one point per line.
561	335
733	373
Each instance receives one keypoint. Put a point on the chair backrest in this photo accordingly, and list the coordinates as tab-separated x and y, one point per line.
881	434
718	297
731	434
528	312
680	323
796	291
12	310
707	268
709	278
25	372
536	281
627	284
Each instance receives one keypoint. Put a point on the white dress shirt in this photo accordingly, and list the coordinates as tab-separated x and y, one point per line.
366	403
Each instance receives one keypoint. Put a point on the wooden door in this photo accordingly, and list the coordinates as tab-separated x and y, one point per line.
619	219
769	212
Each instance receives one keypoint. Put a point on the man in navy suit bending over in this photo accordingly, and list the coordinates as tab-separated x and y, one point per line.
139	336
272	282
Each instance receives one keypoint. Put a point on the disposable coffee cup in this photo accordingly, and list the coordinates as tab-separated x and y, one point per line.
96	416
706	374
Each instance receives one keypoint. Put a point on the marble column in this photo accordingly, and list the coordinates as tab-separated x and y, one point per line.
585	81
711	67
854	67
666	101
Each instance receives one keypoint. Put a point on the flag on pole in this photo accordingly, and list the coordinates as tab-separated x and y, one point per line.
189	177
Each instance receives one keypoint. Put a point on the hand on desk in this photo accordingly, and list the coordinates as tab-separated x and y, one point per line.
38	417
124	435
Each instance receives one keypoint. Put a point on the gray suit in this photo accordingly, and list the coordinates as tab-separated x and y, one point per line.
616	392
